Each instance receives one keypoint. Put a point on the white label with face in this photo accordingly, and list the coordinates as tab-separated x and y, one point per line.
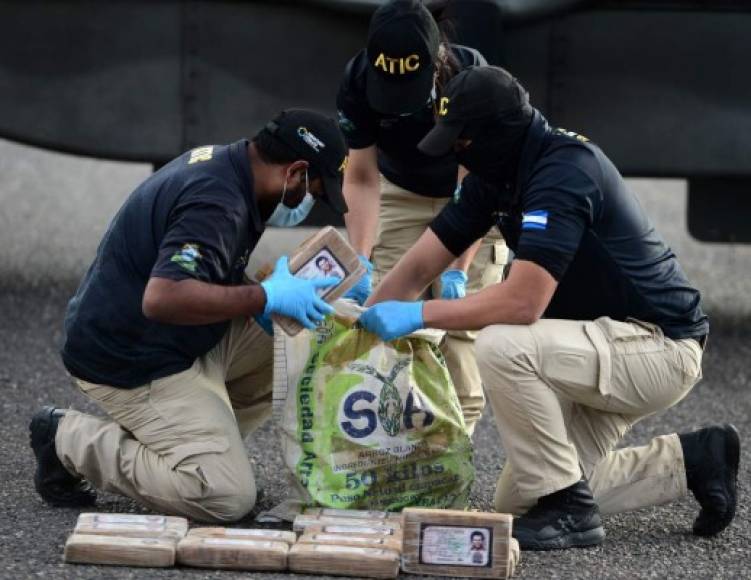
455	545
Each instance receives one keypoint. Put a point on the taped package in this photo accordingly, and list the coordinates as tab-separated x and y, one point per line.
459	544
356	514
304	521
323	255
344	561
232	553
120	551
371	530
246	533
367	424
131	525
352	539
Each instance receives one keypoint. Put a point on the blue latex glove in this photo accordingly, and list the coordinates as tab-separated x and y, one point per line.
364	286
392	319
295	297
265	323
453	284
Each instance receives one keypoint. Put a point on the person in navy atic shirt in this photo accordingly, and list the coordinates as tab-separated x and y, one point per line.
595	327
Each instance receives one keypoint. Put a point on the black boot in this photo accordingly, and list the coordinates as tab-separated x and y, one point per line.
52	481
564	519
711	456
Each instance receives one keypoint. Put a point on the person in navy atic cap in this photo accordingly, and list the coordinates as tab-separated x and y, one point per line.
595	328
167	336
386	105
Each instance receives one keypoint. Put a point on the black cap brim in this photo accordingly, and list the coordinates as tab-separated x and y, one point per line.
334	198
398	98
441	138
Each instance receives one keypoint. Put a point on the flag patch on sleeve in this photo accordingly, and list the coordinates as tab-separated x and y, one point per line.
535	220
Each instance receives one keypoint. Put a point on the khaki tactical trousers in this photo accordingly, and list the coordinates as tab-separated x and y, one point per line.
176	444
565	392
404	218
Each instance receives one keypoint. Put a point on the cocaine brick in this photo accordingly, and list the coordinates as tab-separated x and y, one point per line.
344	561
357	514
131	525
323	538
246	533
232	553
458	543
120	551
305	521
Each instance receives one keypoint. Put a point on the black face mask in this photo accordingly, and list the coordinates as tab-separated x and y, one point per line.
496	148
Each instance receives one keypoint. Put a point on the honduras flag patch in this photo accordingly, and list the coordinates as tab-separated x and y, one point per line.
535	220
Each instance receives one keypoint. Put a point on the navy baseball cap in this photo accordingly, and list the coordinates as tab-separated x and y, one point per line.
317	139
403	41
475	96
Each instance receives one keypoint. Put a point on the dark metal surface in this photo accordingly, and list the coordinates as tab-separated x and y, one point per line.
664	93
147	80
662	86
663	90
719	209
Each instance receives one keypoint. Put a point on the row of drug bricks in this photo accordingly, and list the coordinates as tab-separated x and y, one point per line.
366	544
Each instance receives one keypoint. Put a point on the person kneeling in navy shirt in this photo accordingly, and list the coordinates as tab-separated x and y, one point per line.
167	337
595	328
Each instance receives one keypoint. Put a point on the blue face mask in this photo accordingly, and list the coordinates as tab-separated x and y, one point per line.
287	217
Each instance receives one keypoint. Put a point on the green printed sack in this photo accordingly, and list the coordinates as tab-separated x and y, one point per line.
367	424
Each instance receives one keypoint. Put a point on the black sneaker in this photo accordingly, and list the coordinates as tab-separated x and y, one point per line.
52	481
712	456
567	518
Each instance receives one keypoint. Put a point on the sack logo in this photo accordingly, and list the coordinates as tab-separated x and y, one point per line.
363	412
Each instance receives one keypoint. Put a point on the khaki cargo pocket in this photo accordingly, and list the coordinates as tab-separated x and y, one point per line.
604	358
613	338
633	336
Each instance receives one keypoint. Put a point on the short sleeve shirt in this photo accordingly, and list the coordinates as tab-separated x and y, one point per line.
195	218
396	137
572	213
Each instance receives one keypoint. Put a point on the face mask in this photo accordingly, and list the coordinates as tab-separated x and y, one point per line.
495	151
287	217
484	160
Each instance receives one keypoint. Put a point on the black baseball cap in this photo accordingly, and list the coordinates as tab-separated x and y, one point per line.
317	139
403	41
475	96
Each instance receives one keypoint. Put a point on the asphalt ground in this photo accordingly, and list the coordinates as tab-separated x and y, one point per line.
54	208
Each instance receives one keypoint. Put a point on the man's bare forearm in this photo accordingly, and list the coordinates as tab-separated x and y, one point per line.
414	271
362	191
192	302
489	306
364	203
521	299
